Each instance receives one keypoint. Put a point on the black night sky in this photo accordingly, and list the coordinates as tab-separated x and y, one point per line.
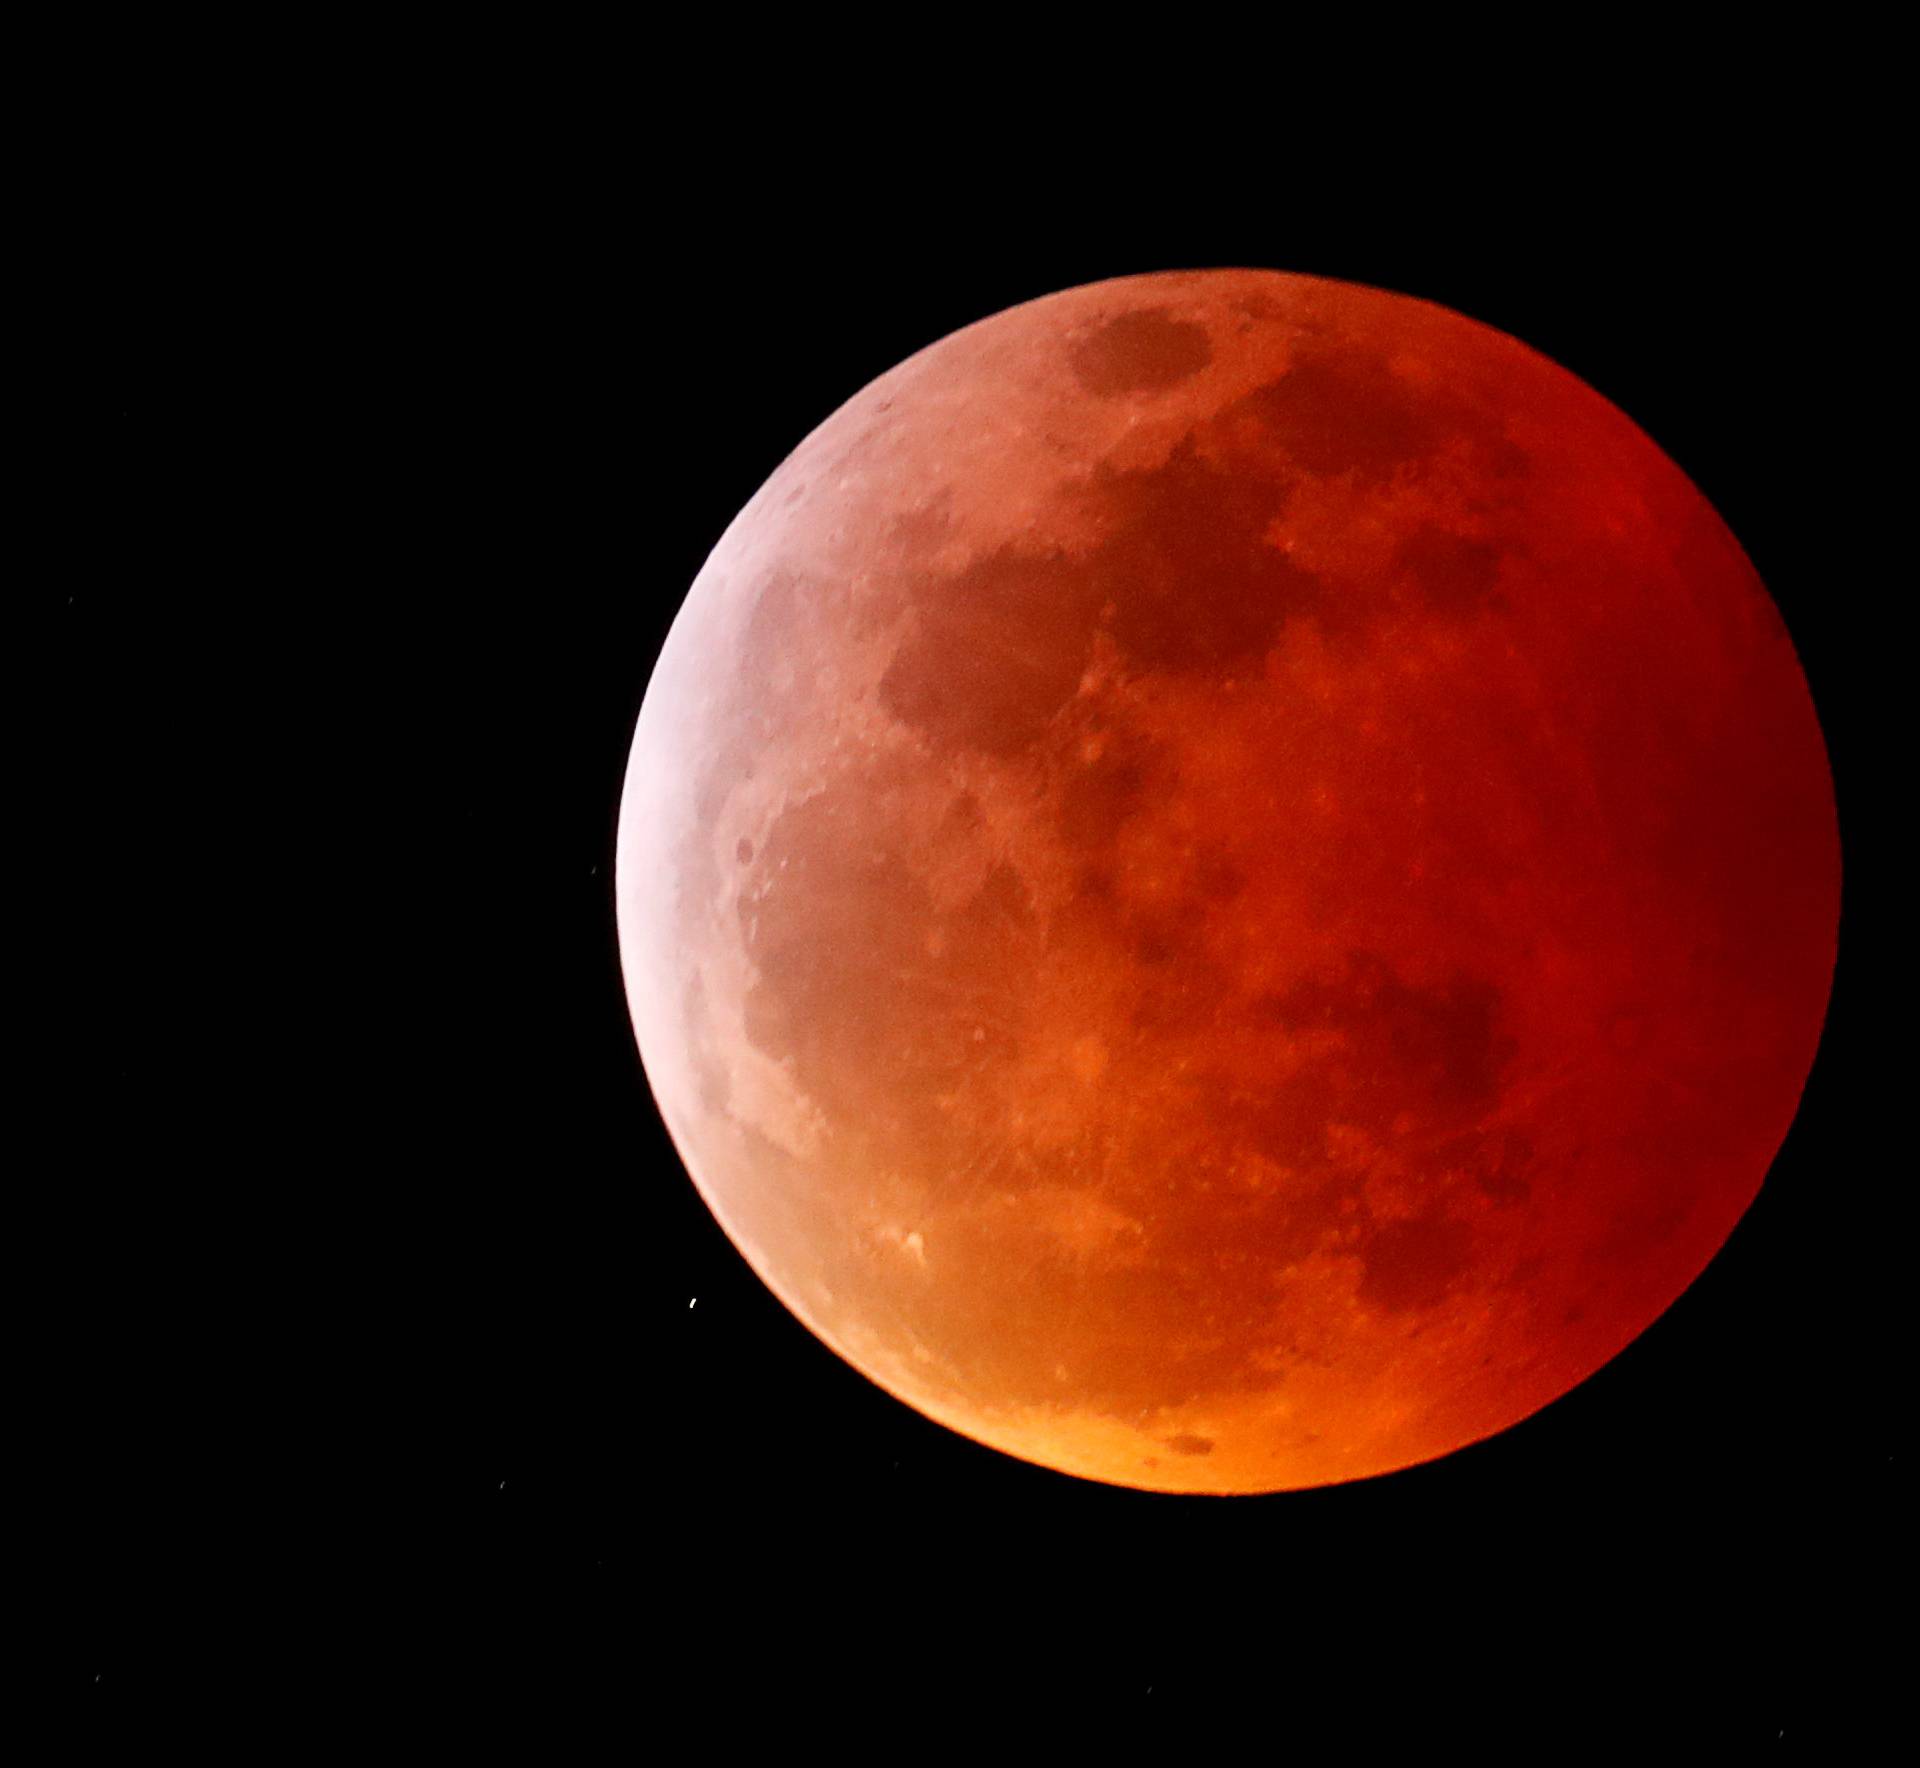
397	1358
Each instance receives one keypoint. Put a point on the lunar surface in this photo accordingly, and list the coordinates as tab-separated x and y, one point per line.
1228	881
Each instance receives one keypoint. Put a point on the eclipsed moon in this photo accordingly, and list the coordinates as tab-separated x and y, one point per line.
1228	881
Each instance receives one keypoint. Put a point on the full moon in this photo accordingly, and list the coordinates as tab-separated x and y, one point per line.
1228	881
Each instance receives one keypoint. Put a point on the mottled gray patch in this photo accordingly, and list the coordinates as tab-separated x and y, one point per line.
1435	1047
1188	580
921	530
1412	1065
996	652
833	923
1344	411
1099	796
1496	1163
962	818
1216	876
1002	900
1409	1265
1504	1178
1449	573
845	989
1144	351
1505	458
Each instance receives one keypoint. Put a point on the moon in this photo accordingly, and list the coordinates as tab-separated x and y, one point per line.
1228	881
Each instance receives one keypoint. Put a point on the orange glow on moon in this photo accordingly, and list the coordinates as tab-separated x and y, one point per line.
1228	881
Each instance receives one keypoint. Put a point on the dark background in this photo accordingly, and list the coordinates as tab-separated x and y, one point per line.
377	1370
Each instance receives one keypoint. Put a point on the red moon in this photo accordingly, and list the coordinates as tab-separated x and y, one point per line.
1228	881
